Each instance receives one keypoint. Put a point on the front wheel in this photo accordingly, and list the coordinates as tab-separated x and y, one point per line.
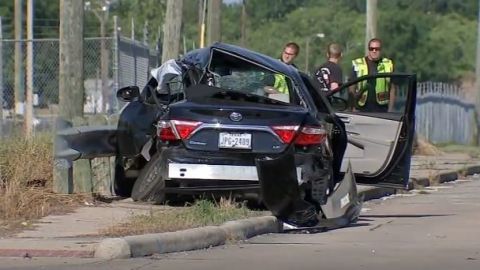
150	184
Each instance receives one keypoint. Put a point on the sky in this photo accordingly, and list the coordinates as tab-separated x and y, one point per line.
232	1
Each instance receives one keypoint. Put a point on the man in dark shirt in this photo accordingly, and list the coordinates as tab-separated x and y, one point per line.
329	74
372	95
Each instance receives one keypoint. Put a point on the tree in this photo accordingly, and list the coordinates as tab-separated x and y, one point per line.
141	11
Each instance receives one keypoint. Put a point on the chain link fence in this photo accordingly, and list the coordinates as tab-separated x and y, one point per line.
442	116
126	62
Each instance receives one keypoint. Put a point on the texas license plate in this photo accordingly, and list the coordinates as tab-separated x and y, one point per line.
235	140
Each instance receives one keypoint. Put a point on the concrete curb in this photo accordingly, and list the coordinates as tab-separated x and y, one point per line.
204	237
198	238
444	177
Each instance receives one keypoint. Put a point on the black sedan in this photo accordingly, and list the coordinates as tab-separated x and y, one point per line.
216	120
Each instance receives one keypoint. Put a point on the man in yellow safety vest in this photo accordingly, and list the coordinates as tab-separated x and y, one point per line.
278	83
373	95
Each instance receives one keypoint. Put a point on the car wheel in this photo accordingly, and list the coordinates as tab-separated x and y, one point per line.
122	185
150	184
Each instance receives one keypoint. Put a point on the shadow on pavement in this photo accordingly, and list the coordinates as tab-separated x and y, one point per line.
313	230
403	216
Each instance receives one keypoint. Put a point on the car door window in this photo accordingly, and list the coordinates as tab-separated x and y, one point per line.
380	96
379	122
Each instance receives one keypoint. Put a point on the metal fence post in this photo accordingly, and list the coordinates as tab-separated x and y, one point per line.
115	61
28	122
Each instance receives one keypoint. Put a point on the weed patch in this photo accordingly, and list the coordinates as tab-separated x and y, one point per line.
201	213
26	178
472	151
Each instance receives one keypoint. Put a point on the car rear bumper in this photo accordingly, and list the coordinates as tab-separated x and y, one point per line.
216	172
198	171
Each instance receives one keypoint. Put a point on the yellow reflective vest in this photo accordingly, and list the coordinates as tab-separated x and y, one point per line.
281	83
381	85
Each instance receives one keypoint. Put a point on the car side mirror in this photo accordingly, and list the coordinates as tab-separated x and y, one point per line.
128	94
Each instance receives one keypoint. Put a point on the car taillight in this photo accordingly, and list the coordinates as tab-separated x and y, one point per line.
175	129
165	131
185	128
286	133
311	135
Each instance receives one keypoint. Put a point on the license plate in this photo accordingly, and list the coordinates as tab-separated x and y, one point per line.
235	140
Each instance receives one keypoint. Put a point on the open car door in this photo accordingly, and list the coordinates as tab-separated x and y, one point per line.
379	116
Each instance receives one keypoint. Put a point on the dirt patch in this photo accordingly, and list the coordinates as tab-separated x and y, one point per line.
33	204
425	148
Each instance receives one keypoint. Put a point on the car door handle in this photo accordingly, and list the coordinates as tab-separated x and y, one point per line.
356	143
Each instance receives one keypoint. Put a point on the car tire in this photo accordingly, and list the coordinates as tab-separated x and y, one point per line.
150	184
122	185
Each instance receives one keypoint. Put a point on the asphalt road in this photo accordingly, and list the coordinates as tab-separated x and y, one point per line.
436	229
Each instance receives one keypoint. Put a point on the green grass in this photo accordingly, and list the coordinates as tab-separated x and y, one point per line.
473	151
201	213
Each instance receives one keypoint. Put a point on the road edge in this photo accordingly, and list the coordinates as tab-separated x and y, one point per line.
205	237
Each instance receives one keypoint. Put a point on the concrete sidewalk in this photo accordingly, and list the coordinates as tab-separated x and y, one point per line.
75	234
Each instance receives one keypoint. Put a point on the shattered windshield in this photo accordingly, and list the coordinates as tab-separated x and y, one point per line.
232	73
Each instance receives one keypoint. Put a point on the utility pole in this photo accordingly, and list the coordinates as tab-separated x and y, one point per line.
307	53
132	23
19	90
145	32
214	20
29	101
371	24
243	24
307	49
71	91
477	73
202	17
171	33
1	80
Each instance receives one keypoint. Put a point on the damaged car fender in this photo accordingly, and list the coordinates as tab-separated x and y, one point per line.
282	195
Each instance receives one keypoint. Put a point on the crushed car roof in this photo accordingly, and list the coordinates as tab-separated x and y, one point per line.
201	57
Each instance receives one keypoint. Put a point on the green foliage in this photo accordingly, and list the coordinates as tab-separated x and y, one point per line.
6	12
453	41
467	8
262	11
302	25
433	38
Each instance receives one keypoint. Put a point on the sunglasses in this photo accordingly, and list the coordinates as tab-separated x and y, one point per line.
374	49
